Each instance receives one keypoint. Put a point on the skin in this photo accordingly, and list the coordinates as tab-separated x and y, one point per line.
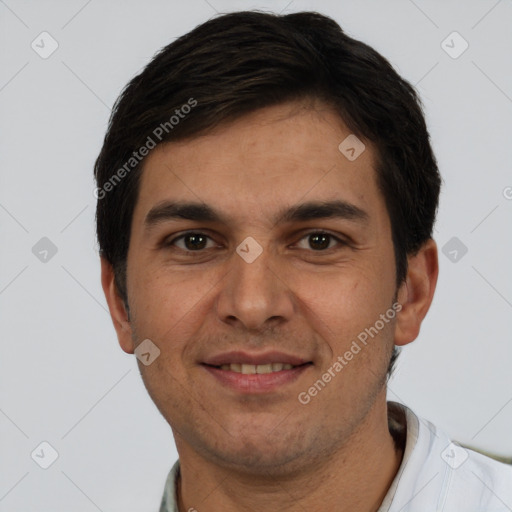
270	452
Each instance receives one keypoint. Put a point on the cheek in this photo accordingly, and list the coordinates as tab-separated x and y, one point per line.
345	293
340	306
165	300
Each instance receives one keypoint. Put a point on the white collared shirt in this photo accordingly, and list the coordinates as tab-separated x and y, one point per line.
436	475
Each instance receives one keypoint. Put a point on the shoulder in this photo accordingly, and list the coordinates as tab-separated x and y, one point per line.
478	483
440	475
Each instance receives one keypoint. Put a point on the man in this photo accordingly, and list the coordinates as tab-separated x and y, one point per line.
266	199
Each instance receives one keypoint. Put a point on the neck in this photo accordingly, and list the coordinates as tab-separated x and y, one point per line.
355	477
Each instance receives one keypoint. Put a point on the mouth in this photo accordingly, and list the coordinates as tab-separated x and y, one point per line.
256	373
257	369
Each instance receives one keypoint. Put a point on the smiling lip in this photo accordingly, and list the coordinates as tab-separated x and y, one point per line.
255	383
240	357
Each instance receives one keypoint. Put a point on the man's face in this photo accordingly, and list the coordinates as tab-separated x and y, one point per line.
318	283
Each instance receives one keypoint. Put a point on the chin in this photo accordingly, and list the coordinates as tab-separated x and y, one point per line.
259	450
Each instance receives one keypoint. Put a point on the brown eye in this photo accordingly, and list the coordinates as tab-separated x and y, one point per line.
191	241
320	241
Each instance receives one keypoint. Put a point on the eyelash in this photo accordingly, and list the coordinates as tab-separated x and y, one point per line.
340	242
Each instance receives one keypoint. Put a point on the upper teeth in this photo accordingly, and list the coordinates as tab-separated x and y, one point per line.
250	369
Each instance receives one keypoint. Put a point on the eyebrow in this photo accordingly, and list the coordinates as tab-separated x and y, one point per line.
201	212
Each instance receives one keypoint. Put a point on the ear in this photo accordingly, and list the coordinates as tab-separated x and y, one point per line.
116	306
416	292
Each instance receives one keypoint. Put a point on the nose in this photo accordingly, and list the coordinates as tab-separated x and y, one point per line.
254	295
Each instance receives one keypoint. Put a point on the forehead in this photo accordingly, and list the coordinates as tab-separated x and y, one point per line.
250	168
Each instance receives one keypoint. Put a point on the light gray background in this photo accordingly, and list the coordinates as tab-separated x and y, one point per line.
64	378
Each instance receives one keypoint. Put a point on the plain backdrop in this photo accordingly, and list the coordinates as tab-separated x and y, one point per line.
64	379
